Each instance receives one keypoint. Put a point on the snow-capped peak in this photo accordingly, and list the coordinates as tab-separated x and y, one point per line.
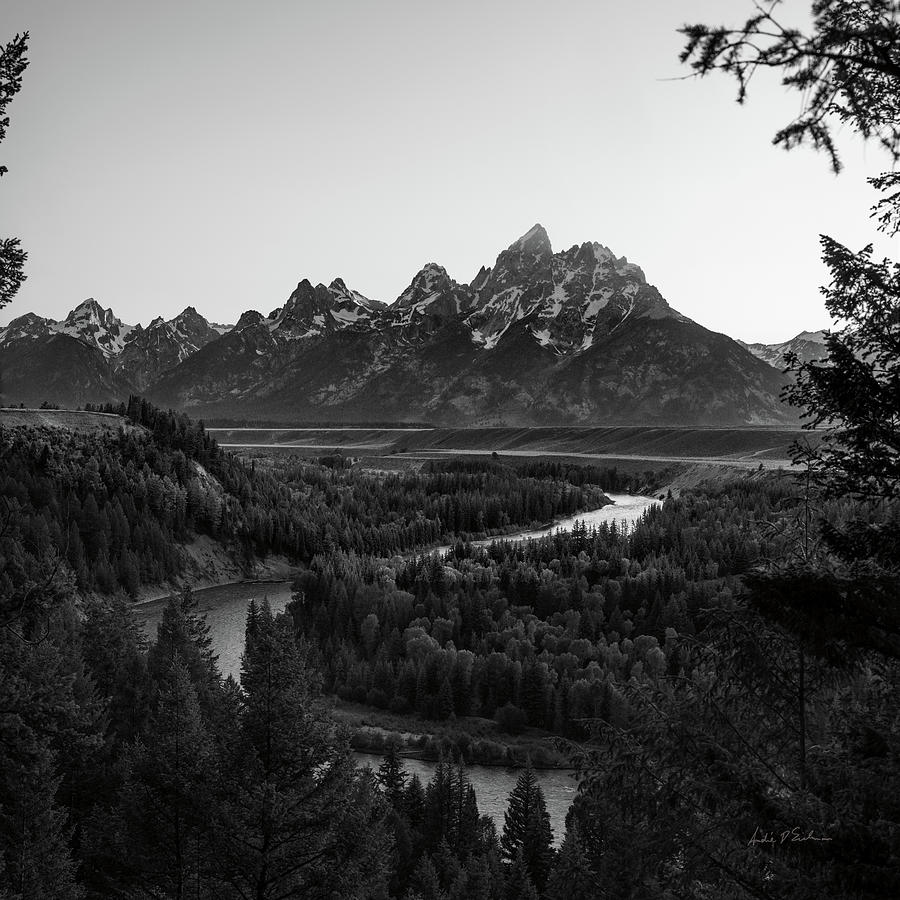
313	311
571	297
432	300
424	287
94	325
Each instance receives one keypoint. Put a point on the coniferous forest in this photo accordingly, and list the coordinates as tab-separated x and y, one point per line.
723	676
701	722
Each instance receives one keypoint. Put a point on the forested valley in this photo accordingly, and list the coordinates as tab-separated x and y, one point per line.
723	677
115	504
648	658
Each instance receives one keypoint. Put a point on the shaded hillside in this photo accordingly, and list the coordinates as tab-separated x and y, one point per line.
60	369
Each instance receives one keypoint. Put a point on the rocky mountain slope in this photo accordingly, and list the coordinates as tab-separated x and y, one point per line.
577	336
91	355
162	345
807	345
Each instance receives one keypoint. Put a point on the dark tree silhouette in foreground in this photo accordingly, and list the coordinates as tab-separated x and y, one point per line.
846	69
12	257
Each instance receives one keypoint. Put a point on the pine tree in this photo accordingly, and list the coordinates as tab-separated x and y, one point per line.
35	859
184	634
519	885
482	881
425	883
439	818
251	625
392	778
468	827
571	876
526	828
414	802
165	800
113	649
296	816
445	700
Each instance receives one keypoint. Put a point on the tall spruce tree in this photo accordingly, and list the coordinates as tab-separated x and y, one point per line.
167	795
572	877
392	778
183	634
519	884
526	828
296	817
37	863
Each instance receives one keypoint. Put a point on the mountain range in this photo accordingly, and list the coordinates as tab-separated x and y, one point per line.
573	337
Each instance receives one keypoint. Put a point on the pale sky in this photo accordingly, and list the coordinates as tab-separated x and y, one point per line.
213	153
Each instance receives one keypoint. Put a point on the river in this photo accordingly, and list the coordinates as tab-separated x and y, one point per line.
493	785
225	608
625	511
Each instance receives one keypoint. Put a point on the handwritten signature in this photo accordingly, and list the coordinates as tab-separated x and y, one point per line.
790	836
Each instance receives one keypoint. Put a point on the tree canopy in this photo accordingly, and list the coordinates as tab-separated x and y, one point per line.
846	67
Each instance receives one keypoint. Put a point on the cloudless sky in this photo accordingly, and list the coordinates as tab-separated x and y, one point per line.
214	152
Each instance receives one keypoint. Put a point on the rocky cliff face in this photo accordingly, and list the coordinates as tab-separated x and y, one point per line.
161	346
577	336
95	326
432	300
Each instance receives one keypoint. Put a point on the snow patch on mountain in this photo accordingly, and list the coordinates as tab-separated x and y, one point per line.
808	345
90	323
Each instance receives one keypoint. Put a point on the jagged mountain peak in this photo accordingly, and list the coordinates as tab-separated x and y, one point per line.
28	326
598	256
426	283
91	306
571	297
532	250
431	300
313	311
96	326
248	319
535	237
189	313
162	345
343	295
89	310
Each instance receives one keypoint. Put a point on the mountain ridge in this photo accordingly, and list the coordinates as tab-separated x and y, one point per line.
570	336
808	345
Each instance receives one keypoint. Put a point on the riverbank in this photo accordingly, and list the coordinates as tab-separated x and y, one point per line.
208	565
473	739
